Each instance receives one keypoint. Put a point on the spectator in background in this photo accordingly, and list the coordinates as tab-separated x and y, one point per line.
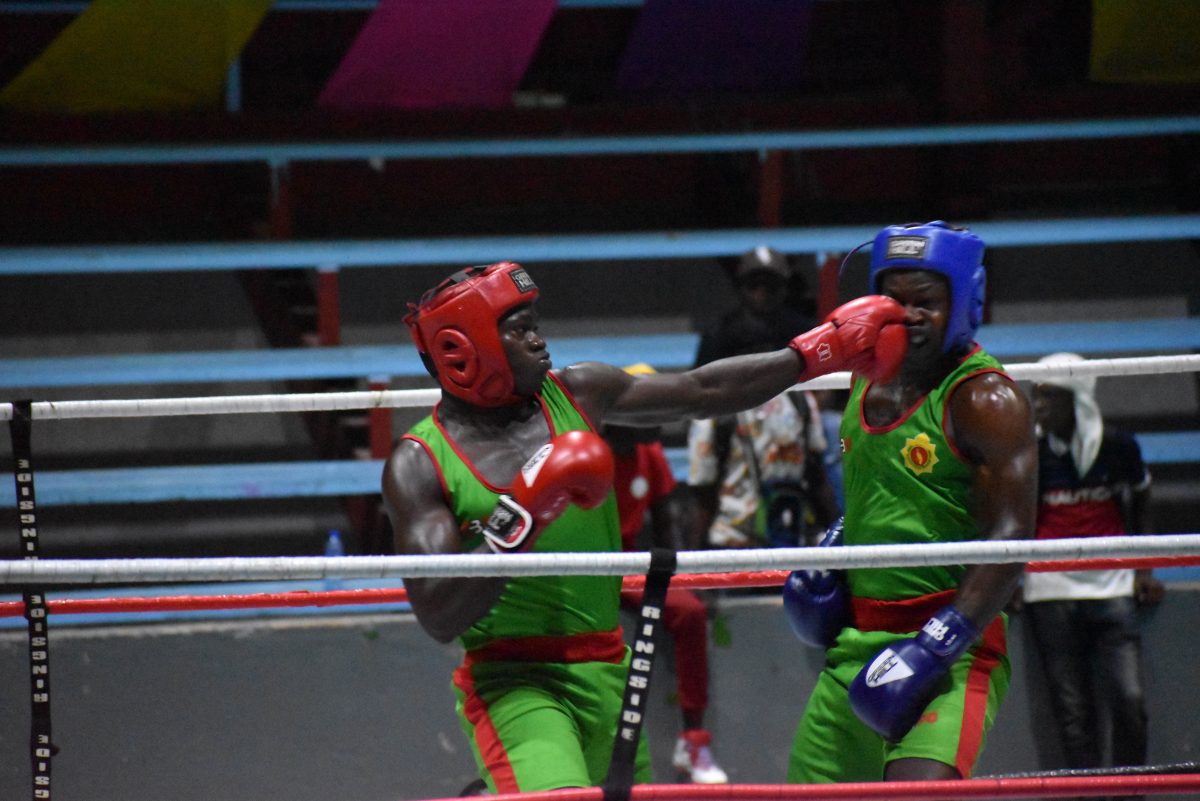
1091	482
758	477
643	484
832	402
763	319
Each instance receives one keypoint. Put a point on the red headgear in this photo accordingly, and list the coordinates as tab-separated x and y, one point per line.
455	326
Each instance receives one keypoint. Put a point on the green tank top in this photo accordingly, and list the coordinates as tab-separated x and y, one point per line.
906	483
534	606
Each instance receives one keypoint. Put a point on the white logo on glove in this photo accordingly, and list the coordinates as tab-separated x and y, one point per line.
508	526
824	352
531	468
886	668
936	629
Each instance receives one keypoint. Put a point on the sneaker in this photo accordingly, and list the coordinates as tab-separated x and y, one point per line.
693	758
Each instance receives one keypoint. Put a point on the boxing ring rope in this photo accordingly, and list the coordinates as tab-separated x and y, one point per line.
399	595
697	570
394	399
947	790
292	568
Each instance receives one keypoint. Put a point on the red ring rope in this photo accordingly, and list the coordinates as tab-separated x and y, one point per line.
1135	562
1045	787
304	598
191	603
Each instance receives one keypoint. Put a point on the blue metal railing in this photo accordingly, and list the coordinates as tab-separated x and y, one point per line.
664	351
627	144
560	248
339	477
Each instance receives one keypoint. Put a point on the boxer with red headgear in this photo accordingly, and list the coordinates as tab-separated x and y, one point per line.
510	460
455	330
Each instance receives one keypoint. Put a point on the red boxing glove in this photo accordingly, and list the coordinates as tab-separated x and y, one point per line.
575	467
865	336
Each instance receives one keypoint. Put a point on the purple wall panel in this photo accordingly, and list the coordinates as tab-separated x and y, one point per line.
681	46
429	53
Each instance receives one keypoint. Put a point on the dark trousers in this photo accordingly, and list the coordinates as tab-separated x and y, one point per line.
1091	653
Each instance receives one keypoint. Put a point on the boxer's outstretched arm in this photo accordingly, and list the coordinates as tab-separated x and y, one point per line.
865	336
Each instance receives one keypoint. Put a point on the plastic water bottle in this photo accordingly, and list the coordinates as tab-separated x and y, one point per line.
334	547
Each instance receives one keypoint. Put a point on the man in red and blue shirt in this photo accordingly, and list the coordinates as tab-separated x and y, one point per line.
1092	482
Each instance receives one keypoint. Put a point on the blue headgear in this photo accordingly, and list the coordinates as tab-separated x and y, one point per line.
953	252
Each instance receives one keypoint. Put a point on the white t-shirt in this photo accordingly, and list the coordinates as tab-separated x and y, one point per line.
770	443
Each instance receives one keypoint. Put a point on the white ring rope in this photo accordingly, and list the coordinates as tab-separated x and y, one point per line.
230	404
394	399
280	568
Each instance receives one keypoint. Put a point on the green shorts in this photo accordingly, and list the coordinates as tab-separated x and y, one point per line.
833	745
543	725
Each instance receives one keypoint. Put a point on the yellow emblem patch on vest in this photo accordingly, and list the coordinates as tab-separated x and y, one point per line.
920	455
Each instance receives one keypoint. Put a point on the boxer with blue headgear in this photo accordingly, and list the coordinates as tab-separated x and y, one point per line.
916	663
955	253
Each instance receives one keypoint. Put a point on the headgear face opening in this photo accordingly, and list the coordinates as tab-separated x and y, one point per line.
955	253
455	327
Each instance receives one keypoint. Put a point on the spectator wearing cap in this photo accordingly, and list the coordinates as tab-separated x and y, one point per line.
763	319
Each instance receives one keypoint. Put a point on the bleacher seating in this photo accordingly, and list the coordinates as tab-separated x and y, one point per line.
382	363
341	477
664	351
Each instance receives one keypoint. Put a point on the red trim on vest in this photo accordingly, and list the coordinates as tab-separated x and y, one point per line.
437	467
571	397
487	739
470	465
862	414
870	429
979	679
594	646
950	394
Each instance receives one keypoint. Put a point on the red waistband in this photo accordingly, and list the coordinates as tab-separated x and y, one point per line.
595	646
911	614
899	617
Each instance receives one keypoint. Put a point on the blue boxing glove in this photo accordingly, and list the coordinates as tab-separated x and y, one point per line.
816	601
891	693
